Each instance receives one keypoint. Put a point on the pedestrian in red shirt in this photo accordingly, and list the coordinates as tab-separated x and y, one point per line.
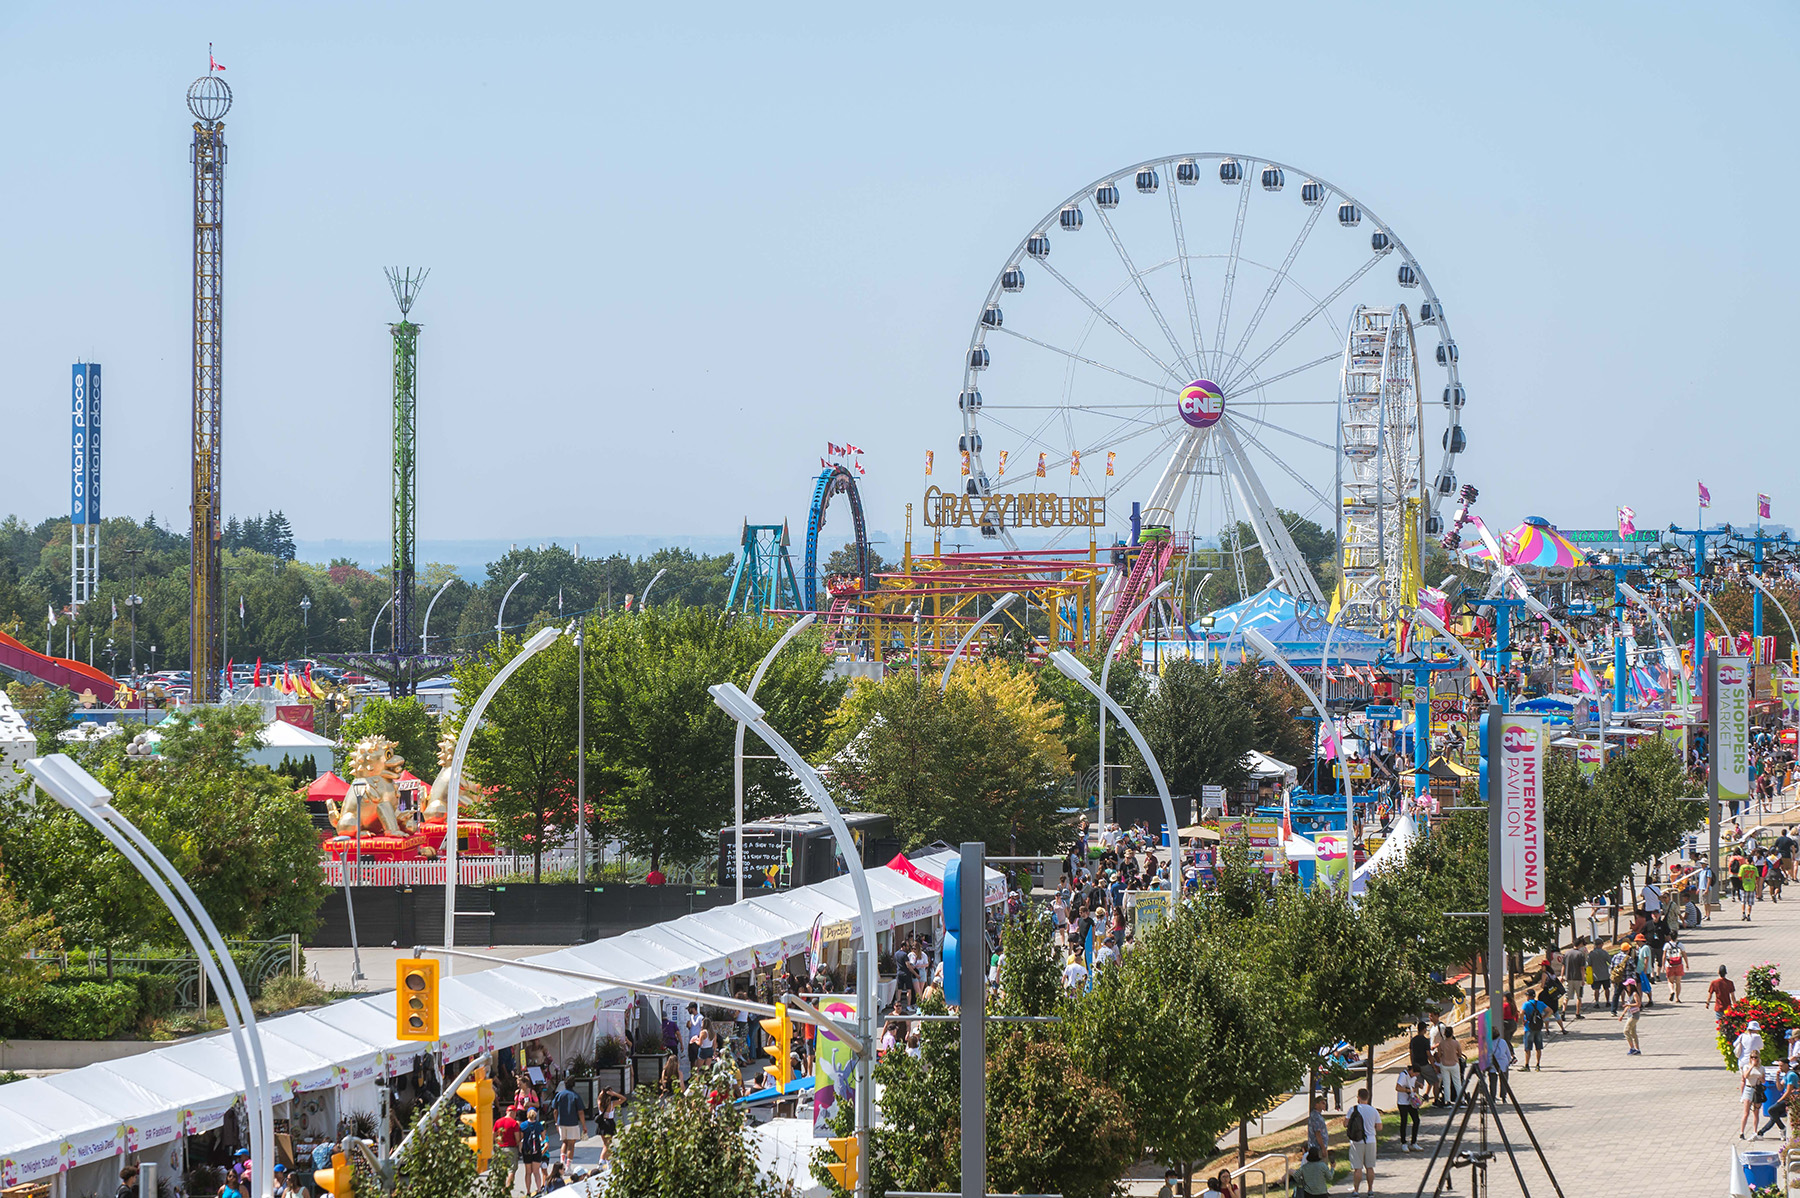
506	1140
1722	992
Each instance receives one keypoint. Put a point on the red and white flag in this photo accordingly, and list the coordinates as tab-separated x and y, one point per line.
212	64
1287	819
851	449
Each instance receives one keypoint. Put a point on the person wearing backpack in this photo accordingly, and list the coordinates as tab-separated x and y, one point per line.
1360	1126
1537	1019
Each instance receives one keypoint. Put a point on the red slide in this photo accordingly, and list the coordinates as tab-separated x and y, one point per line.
58	671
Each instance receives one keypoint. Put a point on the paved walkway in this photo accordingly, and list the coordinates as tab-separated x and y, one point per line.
1650	1126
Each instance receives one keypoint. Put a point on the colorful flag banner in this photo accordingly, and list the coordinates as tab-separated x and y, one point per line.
1627	521
1074	462
1705	496
1435	602
965	461
1583	679
1043	462
928	456
1762	506
1002	463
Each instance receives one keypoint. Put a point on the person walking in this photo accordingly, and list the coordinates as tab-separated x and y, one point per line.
1599	969
1750	1080
1747	881
1721	993
571	1119
1642	962
1674	967
1537	1020
532	1153
1360	1126
1574	975
1775	1097
1449	1063
1629	1011
1406	1105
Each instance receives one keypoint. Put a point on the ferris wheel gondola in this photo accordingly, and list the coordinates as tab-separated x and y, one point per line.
1168	347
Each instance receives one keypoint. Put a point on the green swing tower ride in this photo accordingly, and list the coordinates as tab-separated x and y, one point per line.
405	284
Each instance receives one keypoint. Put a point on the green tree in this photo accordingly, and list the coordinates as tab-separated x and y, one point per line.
47	710
241	837
688	1145
407	722
438	1163
959	765
23	936
1199	728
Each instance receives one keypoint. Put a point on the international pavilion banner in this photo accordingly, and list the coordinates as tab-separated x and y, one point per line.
1521	786
1731	679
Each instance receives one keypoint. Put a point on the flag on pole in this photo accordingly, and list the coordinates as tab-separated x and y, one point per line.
1584	680
1328	738
51	607
859	468
1043	463
965	461
1627	519
115	604
256	674
559	601
1402	637
1109	463
1287	819
1002	463
1762	506
212	64
1074	462
928	456
1705	496
851	449
240	611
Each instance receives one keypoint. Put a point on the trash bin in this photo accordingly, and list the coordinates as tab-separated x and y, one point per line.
1760	1168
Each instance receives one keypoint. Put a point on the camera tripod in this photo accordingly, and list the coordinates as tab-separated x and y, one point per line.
1479	1095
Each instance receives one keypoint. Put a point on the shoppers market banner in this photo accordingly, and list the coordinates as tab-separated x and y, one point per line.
1520	770
1731	727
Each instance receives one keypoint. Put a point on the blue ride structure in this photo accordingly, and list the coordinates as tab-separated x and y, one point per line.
764	578
837	480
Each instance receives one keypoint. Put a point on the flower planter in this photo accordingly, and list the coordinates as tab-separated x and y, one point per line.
647	1067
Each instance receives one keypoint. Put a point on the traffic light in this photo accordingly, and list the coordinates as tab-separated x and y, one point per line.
335	1181
416	998
780	1031
478	1092
843	1170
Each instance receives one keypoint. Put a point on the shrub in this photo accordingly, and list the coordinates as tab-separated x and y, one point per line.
612	1053
287	992
1763	982
73	1009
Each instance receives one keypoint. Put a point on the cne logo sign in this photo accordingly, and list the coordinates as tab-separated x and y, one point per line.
1518	740
1202	402
1730	673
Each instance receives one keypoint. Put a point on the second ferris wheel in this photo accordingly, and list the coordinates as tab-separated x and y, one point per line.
1230	343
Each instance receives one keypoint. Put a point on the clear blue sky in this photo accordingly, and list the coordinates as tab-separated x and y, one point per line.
675	249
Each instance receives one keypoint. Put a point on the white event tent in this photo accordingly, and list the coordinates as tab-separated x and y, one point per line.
77	1129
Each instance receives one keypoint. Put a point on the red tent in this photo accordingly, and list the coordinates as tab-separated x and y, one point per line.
329	787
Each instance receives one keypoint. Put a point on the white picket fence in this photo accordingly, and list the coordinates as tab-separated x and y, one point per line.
470	871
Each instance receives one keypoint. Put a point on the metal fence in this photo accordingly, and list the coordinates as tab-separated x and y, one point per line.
470	871
257	962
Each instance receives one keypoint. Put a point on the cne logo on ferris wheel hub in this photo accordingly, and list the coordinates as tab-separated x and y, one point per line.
1202	403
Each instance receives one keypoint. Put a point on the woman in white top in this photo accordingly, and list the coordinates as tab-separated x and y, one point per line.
1751	1077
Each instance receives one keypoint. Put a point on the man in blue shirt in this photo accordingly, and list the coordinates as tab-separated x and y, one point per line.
1536	1017
571	1120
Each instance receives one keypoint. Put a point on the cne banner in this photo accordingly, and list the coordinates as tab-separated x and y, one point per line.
1521	785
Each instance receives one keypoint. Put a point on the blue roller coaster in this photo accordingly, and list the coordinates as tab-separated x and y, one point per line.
835	481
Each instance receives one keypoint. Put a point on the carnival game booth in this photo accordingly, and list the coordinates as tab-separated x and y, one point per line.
183	1105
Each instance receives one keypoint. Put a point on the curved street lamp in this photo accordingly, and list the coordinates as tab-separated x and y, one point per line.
1074	671
742	708
1670	651
644	599
737	752
540	640
1267	648
377	620
1694	591
1000	605
500	618
84	795
1112	651
425	633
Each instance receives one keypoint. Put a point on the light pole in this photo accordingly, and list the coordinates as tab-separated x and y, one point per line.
500	619
425	633
1112	651
737	753
376	621
644	599
1267	648
133	601
1000	605
741	708
1074	671
540	640
82	794
305	624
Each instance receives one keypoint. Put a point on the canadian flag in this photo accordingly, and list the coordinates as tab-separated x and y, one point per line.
851	449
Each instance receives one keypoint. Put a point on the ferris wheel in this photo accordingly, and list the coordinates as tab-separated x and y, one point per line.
1168	337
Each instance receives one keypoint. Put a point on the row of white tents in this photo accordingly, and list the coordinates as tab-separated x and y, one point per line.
79	1127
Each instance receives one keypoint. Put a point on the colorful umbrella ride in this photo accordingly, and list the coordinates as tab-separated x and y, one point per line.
1536	543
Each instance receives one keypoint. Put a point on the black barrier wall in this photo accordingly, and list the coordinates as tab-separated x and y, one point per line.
550	913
